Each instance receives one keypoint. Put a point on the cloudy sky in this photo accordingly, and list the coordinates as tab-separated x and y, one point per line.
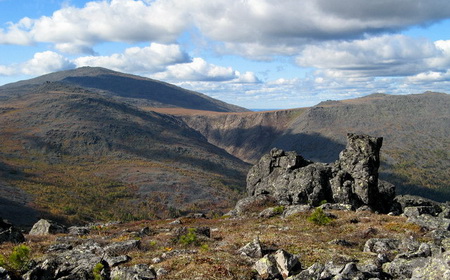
263	54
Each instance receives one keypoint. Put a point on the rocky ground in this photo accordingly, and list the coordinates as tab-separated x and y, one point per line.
266	243
301	220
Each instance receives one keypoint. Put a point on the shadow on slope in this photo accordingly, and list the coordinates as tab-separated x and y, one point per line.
157	92
312	146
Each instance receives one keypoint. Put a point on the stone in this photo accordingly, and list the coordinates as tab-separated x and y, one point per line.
74	230
136	272
5	274
437	267
271	212
287	263
71	264
120	248
401	268
8	233
252	249
350	182
243	206
47	227
279	264
115	261
312	272
381	245
266	267
295	209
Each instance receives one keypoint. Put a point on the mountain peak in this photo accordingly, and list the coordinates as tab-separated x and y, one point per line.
136	90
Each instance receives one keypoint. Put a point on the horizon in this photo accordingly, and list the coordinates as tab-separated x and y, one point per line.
259	54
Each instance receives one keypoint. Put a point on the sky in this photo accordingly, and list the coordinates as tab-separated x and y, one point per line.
258	54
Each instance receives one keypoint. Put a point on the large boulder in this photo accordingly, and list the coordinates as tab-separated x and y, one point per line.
46	227
352	179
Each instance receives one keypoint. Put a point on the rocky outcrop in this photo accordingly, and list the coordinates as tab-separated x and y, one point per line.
8	233
46	227
396	259
352	179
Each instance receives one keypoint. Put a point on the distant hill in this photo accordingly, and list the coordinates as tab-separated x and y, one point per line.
416	131
129	88
93	144
76	148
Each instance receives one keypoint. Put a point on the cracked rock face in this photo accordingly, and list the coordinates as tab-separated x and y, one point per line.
352	179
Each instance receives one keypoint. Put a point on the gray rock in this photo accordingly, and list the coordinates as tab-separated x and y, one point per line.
381	245
4	274
120	248
437	267
351	180
312	272
137	272
46	227
8	233
74	230
252	249
271	212
77	263
403	201
115	261
401	268
295	209
244	205
279	264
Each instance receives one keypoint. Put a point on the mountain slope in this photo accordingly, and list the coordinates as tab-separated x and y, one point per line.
416	131
125	87
80	155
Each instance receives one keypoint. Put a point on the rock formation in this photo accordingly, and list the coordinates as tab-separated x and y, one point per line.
352	179
8	233
46	227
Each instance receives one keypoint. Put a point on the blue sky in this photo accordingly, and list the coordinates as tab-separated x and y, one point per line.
253	53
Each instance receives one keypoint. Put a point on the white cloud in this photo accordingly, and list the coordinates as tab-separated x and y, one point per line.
256	28
388	55
153	58
78	29
45	62
197	70
41	63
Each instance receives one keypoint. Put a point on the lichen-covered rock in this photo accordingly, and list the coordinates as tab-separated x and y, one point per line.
358	171
137	272
280	264
401	268
120	248
381	245
351	180
437	267
248	203
252	249
76	263
46	227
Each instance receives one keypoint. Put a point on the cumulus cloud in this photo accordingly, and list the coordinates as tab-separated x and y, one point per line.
200	70
270	26
78	29
388	55
45	62
153	58
41	63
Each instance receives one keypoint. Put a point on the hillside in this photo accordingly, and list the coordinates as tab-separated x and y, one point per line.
123	87
77	155
416	129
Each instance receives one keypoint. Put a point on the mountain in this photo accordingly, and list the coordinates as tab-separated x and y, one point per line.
78	152
415	128
93	144
128	88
